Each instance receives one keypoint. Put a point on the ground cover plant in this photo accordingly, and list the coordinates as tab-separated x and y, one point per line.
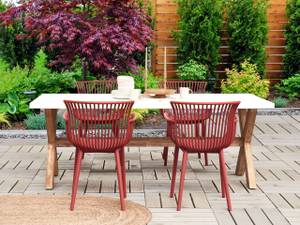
38	122
280	102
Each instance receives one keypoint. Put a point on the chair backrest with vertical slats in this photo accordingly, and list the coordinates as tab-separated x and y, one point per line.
96	86
195	86
99	126
204	127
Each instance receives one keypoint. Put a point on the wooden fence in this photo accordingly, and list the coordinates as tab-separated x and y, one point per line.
165	12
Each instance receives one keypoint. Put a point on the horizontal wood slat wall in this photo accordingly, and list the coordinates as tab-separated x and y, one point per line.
165	12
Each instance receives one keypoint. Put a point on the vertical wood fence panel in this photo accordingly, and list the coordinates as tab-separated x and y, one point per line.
165	13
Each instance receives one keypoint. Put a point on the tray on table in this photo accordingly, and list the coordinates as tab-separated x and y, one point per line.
159	92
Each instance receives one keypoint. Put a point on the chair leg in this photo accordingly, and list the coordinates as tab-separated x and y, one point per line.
199	155
225	180
197	135
182	176
77	164
122	158
165	155
174	170
120	180
221	177
206	159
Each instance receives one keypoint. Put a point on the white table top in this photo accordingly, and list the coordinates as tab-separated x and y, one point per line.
56	101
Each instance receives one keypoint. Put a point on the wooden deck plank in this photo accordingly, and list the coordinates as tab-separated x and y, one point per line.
224	217
258	217
241	217
275	201
275	217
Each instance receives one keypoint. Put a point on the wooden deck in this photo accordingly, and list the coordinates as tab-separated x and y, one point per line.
275	201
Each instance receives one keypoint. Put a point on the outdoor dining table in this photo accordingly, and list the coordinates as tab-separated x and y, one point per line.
247	112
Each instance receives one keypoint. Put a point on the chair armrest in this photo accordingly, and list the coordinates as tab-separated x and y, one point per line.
167	115
66	116
132	118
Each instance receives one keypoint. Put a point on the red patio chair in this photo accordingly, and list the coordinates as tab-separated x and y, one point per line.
96	86
104	127
219	134
196	87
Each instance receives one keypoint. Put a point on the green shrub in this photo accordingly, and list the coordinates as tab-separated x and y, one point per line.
15	79
37	122
245	80
292	55
43	80
247	30
192	71
14	50
139	81
281	102
199	36
289	87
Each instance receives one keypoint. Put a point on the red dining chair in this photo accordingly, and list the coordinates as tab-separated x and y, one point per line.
219	134
99	127
196	87
96	86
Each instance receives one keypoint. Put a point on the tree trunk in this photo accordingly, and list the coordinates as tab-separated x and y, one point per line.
84	69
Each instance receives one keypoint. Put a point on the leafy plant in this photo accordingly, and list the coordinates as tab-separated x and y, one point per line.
199	35
103	34
247	30
37	122
192	71
292	55
4	119
290	87
281	102
245	80
13	82
13	105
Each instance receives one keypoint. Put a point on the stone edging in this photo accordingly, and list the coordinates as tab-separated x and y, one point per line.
42	134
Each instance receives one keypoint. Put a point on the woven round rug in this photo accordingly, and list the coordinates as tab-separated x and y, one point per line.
54	210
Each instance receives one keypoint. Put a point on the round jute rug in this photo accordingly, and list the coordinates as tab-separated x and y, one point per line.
54	210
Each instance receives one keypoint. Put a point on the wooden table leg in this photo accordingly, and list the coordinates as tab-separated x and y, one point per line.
52	165
241	164
245	160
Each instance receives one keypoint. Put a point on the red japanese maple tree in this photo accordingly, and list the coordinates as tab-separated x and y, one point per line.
104	34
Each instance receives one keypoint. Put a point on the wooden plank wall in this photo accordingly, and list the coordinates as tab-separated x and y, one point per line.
165	12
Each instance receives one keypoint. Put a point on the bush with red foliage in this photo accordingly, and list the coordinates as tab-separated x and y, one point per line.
104	34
